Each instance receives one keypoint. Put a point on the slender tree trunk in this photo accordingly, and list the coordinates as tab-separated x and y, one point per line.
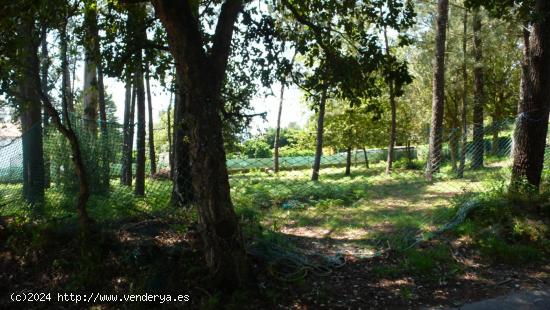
438	103
66	89
105	151
91	52
319	144
453	146
44	69
170	144
479	96
366	154
140	141
132	129
126	130
393	107
278	130
464	112
495	145
348	161
532	123
152	155
182	186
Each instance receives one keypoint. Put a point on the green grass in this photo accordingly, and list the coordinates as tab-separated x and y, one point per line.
363	212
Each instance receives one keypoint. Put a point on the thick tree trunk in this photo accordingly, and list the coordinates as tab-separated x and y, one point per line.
532	123
202	74
31	116
320	129
278	130
35	89
152	155
464	110
182	186
438	100
348	161
479	96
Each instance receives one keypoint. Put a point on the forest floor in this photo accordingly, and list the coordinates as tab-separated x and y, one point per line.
345	242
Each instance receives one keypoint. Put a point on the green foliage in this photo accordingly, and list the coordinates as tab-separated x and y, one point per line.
256	149
506	231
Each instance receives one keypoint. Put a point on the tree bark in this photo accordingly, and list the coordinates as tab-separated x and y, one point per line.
366	157
170	144
497	118
464	112
319	144
152	156
203	75
532	122
66	89
126	129
348	161
393	107
44	70
31	115
35	88
182	187
438	102
140	141
278	129
91	52
479	96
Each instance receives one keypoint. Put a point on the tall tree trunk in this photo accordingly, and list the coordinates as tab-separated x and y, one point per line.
497	115
182	186
31	115
140	141
320	129
66	89
453	148
479	96
366	158
532	123
278	129
464	110
203	75
438	102
91	52
152	156
105	150
126	129
44	69
170	144
393	107
348	161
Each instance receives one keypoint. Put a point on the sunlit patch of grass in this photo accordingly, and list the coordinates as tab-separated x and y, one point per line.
391	210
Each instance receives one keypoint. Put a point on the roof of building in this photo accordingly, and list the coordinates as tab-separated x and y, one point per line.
9	131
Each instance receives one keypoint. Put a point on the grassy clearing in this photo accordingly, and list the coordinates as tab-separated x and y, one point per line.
366	210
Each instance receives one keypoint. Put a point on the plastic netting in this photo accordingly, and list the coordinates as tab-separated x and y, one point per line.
366	206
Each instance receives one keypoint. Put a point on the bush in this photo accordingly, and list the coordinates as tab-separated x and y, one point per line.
256	149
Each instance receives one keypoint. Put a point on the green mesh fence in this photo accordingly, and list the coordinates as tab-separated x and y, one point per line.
363	212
